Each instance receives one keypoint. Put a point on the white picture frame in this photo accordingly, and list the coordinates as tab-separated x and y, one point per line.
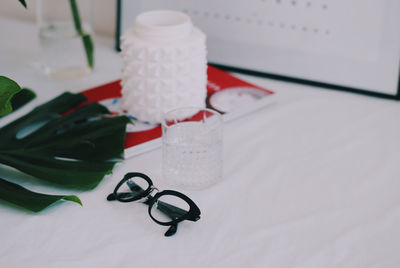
343	44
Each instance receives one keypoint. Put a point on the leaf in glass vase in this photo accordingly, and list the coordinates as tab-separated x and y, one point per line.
23	3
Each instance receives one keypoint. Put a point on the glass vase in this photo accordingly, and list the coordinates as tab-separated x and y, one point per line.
66	38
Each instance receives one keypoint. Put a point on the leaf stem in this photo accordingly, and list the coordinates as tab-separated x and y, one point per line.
23	3
86	38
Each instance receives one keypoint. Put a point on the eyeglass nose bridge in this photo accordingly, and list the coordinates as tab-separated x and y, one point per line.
153	188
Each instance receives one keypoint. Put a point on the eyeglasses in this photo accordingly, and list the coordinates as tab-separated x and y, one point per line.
166	208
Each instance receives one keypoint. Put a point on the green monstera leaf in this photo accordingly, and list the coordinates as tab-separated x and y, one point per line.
75	150
22	97
8	88
12	97
62	144
22	197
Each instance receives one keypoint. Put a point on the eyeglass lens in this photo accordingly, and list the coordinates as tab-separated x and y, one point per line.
132	188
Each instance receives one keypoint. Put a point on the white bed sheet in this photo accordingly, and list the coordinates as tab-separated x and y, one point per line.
312	181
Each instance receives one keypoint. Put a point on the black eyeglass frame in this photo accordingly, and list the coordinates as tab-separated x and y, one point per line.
192	215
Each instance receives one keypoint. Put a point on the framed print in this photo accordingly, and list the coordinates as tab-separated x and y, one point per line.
343	44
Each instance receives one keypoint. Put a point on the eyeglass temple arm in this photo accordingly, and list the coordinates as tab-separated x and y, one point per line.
171	230
132	186
112	197
171	211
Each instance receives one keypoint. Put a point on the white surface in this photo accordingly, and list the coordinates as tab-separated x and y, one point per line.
349	43
312	181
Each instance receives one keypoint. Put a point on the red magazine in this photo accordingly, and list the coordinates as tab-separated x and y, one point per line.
226	94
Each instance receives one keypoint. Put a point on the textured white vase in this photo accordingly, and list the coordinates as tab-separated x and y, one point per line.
164	65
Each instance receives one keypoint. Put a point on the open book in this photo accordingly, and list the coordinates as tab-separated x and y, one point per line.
226	94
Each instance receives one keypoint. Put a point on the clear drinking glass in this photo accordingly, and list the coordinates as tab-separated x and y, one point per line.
65	30
192	147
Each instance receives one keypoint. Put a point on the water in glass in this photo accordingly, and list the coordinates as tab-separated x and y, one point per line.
63	54
192	153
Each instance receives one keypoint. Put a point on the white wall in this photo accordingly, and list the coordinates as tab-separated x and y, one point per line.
104	13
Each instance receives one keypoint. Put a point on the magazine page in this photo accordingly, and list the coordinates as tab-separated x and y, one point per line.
226	94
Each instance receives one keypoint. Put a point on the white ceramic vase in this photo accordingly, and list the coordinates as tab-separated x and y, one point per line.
164	65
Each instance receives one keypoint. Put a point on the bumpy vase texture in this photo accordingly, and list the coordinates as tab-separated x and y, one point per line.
164	65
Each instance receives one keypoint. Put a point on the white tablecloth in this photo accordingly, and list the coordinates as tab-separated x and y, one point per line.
312	181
